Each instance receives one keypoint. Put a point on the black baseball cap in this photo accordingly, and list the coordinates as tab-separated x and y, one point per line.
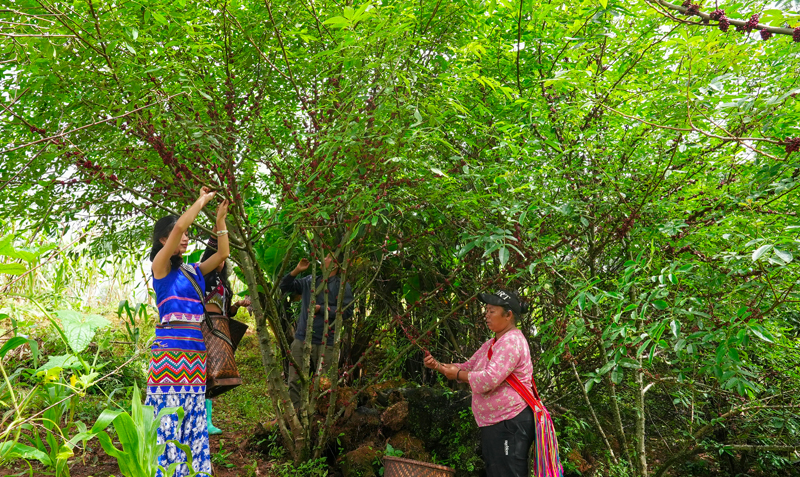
502	298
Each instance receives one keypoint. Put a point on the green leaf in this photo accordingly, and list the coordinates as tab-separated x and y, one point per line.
503	256
418	117
784	255
675	326
22	451
761	332
660	304
194	257
13	268
64	452
617	374
12	344
63	361
159	17
760	251
336	21
722	353
606	368
79	328
629	363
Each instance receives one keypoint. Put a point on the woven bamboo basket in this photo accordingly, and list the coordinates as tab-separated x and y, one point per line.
397	467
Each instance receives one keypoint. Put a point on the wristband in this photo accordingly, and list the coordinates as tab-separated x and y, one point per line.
457	376
220	233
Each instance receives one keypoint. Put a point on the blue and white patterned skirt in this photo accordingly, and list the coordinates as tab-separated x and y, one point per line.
193	431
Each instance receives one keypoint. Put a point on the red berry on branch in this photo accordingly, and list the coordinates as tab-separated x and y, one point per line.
765	35
717	14
751	24
796	35
792	144
724	24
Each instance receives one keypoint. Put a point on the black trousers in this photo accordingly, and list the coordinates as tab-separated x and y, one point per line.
505	445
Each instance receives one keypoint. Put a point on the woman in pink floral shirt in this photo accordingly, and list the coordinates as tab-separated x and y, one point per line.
505	419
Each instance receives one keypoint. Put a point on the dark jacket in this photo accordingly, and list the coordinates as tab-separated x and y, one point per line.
302	286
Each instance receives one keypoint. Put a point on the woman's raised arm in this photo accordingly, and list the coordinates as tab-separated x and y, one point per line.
161	262
223	246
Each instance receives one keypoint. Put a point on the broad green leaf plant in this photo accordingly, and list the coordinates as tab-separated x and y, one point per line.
137	433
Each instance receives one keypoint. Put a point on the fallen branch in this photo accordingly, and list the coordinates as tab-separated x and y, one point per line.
752	448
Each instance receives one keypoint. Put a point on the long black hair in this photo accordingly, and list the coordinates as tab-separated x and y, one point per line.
215	277
162	229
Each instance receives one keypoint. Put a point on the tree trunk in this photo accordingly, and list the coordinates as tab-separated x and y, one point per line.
641	448
594	415
619	429
263	306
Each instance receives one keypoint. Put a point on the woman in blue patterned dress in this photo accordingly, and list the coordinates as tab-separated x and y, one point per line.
177	375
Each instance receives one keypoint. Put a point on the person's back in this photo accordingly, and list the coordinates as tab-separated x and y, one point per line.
322	332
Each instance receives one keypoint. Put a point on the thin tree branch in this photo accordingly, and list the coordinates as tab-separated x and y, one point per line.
50	138
706	18
33	35
285	55
24	167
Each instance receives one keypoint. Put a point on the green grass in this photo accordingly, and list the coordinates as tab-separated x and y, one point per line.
242	407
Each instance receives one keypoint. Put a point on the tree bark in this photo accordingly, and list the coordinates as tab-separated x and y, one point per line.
619	429
594	415
641	448
289	425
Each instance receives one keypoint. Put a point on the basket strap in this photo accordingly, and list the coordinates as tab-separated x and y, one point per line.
210	323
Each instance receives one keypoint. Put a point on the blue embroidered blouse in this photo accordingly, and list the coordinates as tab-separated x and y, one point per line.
177	298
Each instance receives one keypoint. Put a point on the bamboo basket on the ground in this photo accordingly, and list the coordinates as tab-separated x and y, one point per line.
397	467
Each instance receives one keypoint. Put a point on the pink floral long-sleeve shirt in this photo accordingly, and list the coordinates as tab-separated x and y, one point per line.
493	399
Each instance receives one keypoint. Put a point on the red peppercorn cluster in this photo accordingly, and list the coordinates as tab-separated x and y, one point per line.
152	138
792	144
691	8
796	35
717	14
751	24
765	35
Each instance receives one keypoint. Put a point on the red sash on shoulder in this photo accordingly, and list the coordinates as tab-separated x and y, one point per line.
548	463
